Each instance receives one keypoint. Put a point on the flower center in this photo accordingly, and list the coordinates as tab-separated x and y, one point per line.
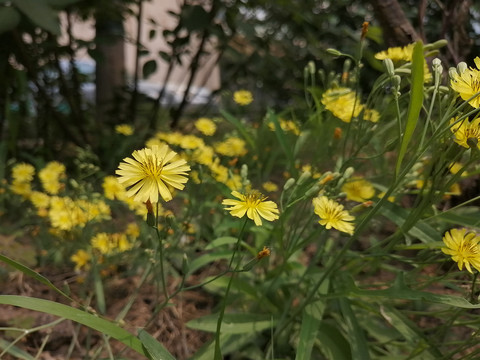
153	167
254	198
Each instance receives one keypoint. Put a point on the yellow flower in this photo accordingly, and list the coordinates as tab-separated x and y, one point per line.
403	54
191	142
467	83
21	188
124	129
102	243
242	97
254	204
23	172
233	146
39	199
112	189
396	53
133	230
206	126
50	177
371	115
81	259
332	214
150	171
285	125
358	190
342	103
467	134
270	186
463	247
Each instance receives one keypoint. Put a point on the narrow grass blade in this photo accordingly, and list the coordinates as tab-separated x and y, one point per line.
33	274
419	343
233	323
356	335
16	352
332	343
281	137
50	307
415	104
240	127
155	349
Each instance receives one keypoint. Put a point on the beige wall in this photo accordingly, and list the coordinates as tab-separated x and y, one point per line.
156	9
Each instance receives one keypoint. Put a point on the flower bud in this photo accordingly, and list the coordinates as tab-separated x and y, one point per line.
388	64
348	172
313	191
304	177
290	182
334	52
452	72
461	67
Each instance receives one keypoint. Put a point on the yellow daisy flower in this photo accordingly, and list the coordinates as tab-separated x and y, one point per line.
467	83
463	247
206	126
342	103
332	214
124	129
242	97
254	204
358	189
467	134
150	171
23	172
81	259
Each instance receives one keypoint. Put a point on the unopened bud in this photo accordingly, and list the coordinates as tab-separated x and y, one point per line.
185	265
389	68
334	52
348	172
311	67
452	72
304	177
313	191
244	171
290	182
436	45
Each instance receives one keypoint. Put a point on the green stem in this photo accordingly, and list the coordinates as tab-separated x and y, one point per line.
160	246
472	292
218	352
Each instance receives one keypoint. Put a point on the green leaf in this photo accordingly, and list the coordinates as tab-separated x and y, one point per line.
224	240
154	348
418	342
421	230
16	352
468	216
149	68
40	14
103	326
9	18
355	333
416	101
399	290
207	259
233	323
332	343
33	274
229	343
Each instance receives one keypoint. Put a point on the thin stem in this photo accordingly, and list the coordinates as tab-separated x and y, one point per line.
472	292
218	353
160	246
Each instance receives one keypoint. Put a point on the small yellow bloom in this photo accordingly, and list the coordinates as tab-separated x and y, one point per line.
150	171
342	103
463	247
254	205
358	189
124	129
242	97
371	115
39	200
232	147
23	172
270	186
81	259
467	134
467	83
206	126
332	214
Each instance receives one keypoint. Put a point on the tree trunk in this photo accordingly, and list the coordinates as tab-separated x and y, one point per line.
397	29
110	67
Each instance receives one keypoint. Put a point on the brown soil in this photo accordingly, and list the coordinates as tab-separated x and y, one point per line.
167	326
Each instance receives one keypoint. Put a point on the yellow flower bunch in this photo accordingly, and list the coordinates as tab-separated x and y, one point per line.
466	81
51	176
345	105
22	176
232	146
